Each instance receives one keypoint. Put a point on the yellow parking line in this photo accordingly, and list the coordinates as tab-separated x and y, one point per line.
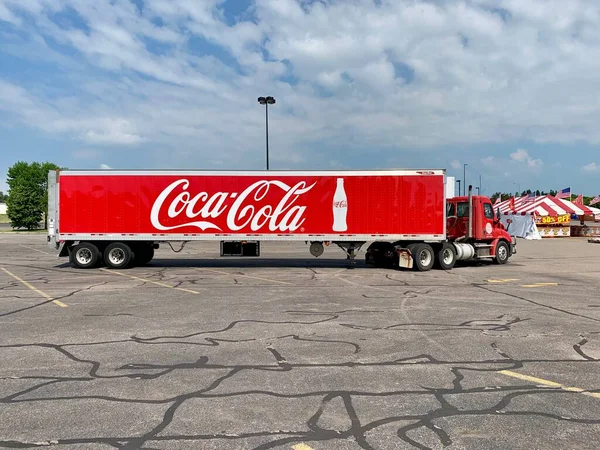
145	280
549	383
34	289
537	285
245	276
507	280
301	447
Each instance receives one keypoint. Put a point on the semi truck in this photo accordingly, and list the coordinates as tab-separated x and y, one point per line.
118	218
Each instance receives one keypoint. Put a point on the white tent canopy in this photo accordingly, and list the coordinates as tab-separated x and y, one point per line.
522	226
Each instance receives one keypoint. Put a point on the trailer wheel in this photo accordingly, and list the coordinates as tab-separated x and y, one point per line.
423	256
85	255
502	253
445	258
143	254
118	255
380	254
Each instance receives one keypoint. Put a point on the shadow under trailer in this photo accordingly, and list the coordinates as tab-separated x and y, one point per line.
119	217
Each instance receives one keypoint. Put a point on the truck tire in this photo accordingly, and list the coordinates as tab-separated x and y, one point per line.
380	254
502	253
118	255
445	259
85	255
423	256
143	254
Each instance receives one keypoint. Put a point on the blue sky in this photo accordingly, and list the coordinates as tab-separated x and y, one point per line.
509	87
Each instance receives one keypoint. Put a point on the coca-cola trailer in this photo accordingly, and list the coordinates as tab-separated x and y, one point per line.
118	217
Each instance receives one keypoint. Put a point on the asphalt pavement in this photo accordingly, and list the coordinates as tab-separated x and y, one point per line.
292	352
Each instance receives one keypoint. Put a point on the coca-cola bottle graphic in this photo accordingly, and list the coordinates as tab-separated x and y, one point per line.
340	207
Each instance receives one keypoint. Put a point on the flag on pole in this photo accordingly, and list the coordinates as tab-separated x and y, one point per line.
499	200
511	205
579	200
595	200
530	198
564	193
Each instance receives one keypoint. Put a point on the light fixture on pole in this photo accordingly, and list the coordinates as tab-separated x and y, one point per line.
267	101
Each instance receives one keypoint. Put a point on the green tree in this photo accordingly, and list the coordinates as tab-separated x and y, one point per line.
23	207
3	197
29	181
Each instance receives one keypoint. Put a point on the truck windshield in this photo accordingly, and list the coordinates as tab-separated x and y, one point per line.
463	209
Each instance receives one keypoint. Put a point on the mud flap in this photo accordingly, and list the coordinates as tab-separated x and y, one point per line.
65	250
405	259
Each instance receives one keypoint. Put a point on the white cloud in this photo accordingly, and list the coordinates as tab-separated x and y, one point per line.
105	166
347	75
489	161
77	119
455	164
7	16
591	168
112	131
522	156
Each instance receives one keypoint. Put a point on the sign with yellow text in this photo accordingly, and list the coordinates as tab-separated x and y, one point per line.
553	220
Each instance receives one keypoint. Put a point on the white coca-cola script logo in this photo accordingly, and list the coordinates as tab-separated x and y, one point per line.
285	216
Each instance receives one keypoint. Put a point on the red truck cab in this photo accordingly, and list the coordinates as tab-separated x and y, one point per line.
487	235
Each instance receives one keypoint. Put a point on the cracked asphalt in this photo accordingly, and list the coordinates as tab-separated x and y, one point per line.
200	352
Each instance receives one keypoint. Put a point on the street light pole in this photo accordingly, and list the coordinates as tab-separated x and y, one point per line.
465	179
267	131
458	181
267	101
519	187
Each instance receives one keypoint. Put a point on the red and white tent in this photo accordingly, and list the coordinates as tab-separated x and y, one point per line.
545	205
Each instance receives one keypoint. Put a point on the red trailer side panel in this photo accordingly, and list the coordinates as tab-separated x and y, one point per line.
291	204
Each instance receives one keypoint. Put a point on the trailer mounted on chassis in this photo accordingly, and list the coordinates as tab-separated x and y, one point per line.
119	217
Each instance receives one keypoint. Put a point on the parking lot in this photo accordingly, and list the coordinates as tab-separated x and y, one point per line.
292	352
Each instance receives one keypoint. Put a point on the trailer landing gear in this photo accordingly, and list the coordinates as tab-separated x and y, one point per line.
350	248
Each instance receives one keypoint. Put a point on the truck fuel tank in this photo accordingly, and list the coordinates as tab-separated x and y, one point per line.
464	251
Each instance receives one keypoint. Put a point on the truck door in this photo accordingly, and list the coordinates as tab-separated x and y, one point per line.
487	230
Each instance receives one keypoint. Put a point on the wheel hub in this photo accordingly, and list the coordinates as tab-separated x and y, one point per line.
116	256
425	258
447	256
502	253
84	256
